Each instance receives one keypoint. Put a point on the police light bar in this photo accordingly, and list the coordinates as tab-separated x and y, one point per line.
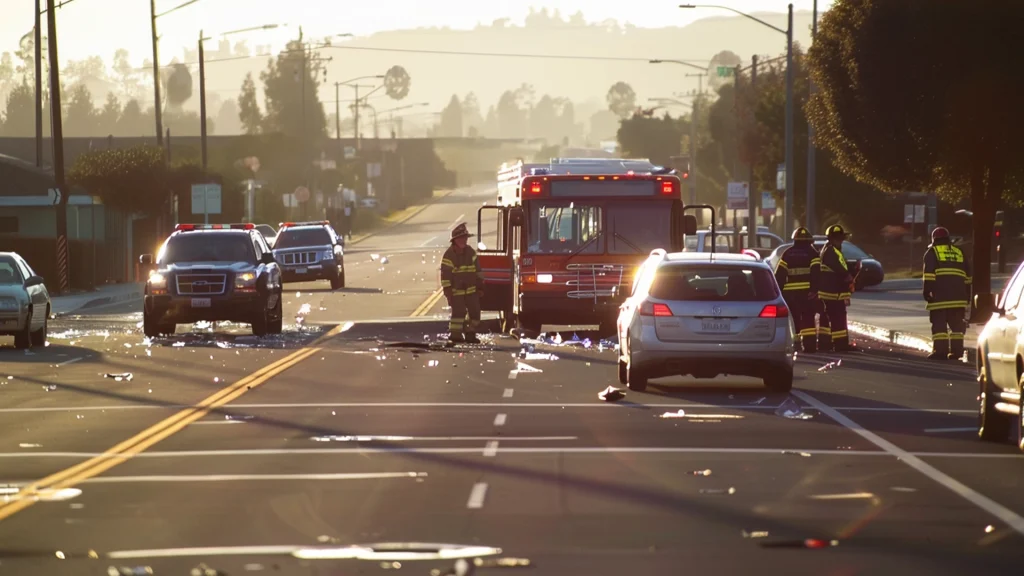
311	223
193	227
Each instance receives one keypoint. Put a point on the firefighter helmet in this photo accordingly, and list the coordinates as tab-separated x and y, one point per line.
460	231
835	230
939	232
802	234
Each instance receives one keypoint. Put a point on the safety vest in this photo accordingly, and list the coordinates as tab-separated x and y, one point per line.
947	276
835	274
798	271
460	271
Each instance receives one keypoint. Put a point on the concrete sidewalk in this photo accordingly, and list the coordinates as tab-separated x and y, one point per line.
103	296
894	311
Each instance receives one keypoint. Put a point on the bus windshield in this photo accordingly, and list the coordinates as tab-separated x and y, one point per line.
638	228
562	227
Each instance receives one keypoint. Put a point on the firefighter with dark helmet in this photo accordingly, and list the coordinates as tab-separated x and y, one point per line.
798	273
462	281
836	287
947	286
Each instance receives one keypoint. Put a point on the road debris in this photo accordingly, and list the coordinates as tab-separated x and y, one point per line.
790	409
127	376
677	414
811	543
718	491
611	394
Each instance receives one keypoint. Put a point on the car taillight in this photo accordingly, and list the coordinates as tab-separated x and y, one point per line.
655	309
666	188
774	311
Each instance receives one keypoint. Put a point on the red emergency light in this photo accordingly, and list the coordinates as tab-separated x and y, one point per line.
312	223
535	188
667	187
194	227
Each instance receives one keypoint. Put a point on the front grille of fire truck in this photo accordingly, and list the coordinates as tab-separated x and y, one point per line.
586	284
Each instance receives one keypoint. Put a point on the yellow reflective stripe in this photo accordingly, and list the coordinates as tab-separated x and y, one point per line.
969	280
815	261
825	268
458	292
940	336
956	336
808	332
828	295
471	290
950	272
447	262
797	286
782	264
446	283
929	276
839	334
946	305
799	271
823	330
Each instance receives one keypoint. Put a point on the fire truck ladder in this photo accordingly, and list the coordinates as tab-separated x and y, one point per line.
585	283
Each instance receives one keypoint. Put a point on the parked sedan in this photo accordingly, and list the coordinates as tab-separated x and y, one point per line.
24	302
871	273
1000	350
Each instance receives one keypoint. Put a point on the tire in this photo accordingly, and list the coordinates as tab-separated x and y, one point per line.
636	378
338	280
779	380
276	325
261	323
993	425
23	339
622	372
38	338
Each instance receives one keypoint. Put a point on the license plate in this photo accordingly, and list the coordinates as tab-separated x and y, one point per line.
301	270
200	302
716	326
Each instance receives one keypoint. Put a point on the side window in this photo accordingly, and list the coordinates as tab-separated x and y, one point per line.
1012	294
764	241
334	235
258	245
26	270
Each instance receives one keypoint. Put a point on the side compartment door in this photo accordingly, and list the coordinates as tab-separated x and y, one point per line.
495	256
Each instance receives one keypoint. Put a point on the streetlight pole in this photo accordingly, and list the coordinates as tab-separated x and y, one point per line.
809	216
58	150
788	32
38	41
693	120
356	109
156	75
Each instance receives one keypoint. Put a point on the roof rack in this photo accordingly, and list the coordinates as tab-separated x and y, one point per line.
194	227
310	223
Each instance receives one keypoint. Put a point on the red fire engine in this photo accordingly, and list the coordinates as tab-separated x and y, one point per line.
562	243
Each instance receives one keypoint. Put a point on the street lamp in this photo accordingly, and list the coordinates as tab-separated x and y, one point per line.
337	100
693	121
788	210
202	80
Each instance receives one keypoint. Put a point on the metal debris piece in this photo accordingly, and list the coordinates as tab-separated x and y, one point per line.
611	394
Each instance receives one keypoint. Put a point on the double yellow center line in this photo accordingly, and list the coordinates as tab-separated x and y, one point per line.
143	440
427	304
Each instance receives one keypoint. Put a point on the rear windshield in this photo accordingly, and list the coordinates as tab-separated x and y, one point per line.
300	237
711	283
207	247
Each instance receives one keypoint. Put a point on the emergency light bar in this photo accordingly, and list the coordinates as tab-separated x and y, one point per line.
194	227
312	223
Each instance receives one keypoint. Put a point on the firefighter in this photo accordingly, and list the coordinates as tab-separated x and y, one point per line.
798	274
462	282
836	287
947	285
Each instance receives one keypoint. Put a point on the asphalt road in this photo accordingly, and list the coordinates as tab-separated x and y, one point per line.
352	445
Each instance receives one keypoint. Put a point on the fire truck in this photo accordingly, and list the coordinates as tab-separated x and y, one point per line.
562	242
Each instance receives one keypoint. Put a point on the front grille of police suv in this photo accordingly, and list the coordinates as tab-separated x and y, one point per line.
201	284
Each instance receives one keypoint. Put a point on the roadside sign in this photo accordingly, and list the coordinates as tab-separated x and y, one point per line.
724	71
737	196
767	203
206	200
289	201
913	213
301	194
780	177
373	170
919	214
350	152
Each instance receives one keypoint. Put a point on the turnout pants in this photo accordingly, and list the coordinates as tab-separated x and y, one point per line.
465	312
824	327
836	310
948	326
803	311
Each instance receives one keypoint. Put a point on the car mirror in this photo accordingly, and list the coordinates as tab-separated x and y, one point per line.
267	258
689	224
146	259
33	281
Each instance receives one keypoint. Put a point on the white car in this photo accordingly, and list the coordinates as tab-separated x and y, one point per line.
24	302
1000	364
704	314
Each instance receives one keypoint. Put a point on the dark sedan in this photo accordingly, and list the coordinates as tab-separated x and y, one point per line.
871	273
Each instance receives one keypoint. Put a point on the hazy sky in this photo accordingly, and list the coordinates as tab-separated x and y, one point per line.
99	27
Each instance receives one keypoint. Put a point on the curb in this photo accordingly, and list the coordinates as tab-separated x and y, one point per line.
404	219
899	338
105	301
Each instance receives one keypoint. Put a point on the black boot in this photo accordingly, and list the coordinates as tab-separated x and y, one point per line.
456	338
471	338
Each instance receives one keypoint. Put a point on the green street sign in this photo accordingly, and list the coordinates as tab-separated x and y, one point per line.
725	71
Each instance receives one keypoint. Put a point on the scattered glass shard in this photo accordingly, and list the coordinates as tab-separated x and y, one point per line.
718	491
127	376
903	489
374	257
759	401
384	260
521	368
433	363
611	394
989	529
755	534
706	472
812	543
795	453
790	409
677	414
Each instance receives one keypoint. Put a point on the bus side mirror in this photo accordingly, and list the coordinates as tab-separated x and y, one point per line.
515	216
689	224
146	259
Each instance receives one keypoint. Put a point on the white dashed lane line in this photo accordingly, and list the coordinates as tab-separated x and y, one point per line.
491	450
477	495
508	393
500	419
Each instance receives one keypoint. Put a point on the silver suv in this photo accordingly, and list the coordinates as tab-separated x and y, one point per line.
310	251
705	314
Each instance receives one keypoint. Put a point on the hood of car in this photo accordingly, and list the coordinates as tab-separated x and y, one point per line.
13	290
204	266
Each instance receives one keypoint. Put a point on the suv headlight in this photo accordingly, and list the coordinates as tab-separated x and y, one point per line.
328	254
245	282
157	283
8	304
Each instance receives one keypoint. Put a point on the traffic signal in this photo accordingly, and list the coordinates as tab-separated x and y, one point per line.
685	175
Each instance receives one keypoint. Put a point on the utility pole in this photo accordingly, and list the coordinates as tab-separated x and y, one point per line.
337	111
788	223
751	189
39	86
357	116
693	134
156	75
202	100
58	150
809	216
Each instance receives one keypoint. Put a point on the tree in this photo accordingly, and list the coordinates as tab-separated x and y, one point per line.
906	125
81	71
80	114
451	119
107	118
511	119
656	138
126	76
133	122
132	179
293	74
726	58
178	86
6	75
621	99
544	119
227	118
249	108
20	112
471	117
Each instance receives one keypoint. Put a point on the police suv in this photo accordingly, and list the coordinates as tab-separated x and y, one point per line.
310	251
217	272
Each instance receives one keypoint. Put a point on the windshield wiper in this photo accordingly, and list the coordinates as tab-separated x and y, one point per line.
628	243
584	246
